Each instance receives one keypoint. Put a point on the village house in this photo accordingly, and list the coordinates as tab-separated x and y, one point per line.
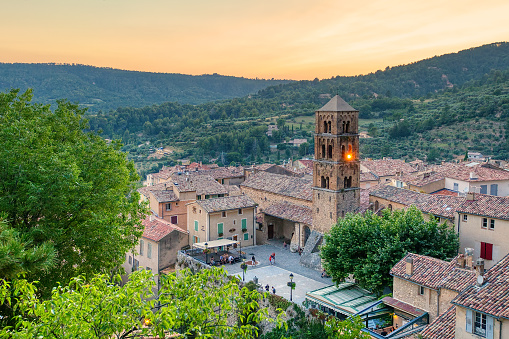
481	310
157	248
483	224
230	218
168	200
430	284
440	207
386	168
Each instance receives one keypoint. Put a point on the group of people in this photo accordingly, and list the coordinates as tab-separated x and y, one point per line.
267	289
225	258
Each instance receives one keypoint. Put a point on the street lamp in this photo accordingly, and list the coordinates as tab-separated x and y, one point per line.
244	268
206	253
291	284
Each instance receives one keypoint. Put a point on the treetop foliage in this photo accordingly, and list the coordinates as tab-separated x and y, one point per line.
368	246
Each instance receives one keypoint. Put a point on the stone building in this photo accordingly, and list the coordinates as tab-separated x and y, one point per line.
336	167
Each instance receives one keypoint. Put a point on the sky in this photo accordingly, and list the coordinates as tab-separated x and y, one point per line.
281	39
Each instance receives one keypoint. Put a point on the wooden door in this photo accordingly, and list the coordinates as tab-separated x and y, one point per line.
270	231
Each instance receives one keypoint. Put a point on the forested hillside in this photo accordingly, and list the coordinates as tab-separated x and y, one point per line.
432	109
106	88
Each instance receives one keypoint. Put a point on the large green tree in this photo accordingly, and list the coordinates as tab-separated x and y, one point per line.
208	304
368	246
64	189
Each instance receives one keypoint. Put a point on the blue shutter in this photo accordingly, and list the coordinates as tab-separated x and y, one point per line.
489	327
469	321
484	189
494	189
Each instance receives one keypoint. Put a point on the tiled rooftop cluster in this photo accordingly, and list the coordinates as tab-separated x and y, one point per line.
226	203
439	205
224	172
202	184
289	211
294	187
156	229
443	327
387	167
486	205
434	273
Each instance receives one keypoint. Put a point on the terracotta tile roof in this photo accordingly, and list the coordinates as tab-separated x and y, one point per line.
294	187
428	271
307	162
289	211
492	297
458	279
387	167
443	327
156	228
422	179
482	172
439	205
368	176
194	181
145	190
263	167
226	203
403	306
224	172
486	205
233	189
446	191
164	195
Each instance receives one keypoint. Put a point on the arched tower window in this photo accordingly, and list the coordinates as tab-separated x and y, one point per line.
330	152
323	150
325	125
344	127
327	182
376	206
349	148
343	151
323	182
347	127
330	128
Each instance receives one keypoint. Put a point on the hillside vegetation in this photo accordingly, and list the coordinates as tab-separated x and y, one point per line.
107	89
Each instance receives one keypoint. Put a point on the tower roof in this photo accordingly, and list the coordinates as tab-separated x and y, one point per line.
337	104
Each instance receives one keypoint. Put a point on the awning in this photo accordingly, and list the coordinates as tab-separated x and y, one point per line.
216	243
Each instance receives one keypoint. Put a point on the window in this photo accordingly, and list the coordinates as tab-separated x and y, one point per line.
484	189
246	236
168	206
492	224
174	219
196	225
223	214
244	224
141	247
207	196
194	209
149	250
136	265
480	324
465	217
198	197
195	239
240	211
130	260
484	223
399	184
494	189
456	187
220	228
421	290
486	251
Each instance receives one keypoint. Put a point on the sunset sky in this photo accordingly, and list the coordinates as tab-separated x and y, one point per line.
294	39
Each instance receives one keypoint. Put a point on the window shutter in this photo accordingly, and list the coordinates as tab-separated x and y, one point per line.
484	189
489	251
196	225
469	321
220	228
494	189
489	327
483	250
244	224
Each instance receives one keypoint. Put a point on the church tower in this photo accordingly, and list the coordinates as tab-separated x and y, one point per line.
336	168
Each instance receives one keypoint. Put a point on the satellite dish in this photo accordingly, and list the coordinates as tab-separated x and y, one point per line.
480	280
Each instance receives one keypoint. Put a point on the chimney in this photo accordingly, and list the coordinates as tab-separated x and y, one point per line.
469	252
461	261
479	271
409	265
470	196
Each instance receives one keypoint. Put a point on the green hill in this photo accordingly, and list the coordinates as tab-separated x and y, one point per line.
106	88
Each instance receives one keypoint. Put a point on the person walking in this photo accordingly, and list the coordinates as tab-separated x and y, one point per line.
273	257
253	260
270	260
273	290
267	287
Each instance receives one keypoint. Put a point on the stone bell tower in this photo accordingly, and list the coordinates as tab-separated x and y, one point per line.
336	168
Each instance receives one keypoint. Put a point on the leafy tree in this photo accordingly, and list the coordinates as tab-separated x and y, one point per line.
350	328
192	305
370	245
65	189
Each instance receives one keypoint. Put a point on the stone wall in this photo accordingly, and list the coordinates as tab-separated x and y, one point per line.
264	199
186	261
408	292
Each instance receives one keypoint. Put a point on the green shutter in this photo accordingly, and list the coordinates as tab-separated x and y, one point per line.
196	225
246	236
220	228
244	224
